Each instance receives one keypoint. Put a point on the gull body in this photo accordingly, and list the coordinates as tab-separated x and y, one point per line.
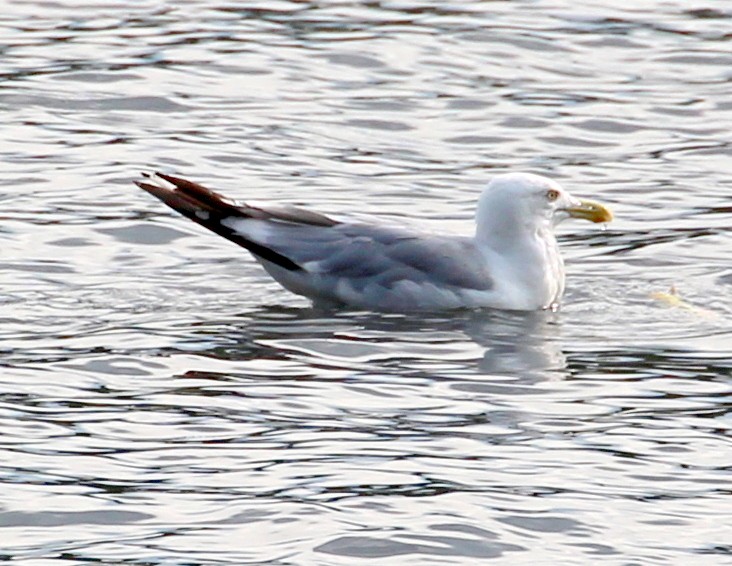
511	261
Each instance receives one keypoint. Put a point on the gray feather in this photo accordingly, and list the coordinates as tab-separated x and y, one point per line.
382	255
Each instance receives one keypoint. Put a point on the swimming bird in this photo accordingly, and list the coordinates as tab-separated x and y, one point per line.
511	261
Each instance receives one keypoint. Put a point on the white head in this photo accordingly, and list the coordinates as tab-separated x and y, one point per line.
519	203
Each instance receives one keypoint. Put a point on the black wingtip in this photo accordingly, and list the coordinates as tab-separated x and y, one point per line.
209	209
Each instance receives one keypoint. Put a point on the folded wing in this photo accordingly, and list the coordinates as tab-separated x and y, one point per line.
315	255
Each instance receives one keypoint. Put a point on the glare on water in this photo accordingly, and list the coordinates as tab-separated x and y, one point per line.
163	402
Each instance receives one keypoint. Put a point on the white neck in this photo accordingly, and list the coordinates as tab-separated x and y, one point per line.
526	248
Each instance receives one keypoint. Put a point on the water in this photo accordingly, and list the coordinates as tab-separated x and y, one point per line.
163	402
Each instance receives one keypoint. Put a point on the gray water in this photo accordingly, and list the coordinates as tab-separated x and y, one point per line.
162	401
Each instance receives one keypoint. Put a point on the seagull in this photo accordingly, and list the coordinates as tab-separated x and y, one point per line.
512	261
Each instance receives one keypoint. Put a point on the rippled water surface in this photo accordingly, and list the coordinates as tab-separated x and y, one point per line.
163	402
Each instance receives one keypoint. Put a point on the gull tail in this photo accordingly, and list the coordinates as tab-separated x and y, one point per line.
210	210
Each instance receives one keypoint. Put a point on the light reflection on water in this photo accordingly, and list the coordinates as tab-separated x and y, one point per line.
161	401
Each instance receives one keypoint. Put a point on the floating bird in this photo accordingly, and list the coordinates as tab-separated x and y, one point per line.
512	261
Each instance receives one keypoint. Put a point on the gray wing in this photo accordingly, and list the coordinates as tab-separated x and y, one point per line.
370	254
313	254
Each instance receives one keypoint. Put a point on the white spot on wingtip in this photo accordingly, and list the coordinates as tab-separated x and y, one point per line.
256	230
202	214
158	181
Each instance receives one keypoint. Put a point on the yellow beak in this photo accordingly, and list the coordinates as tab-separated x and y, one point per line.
590	210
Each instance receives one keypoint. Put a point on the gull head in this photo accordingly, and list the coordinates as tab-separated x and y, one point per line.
519	202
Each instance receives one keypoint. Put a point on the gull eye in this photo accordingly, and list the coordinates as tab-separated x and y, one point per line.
552	195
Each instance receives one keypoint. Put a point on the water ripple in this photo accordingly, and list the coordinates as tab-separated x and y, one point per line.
161	401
